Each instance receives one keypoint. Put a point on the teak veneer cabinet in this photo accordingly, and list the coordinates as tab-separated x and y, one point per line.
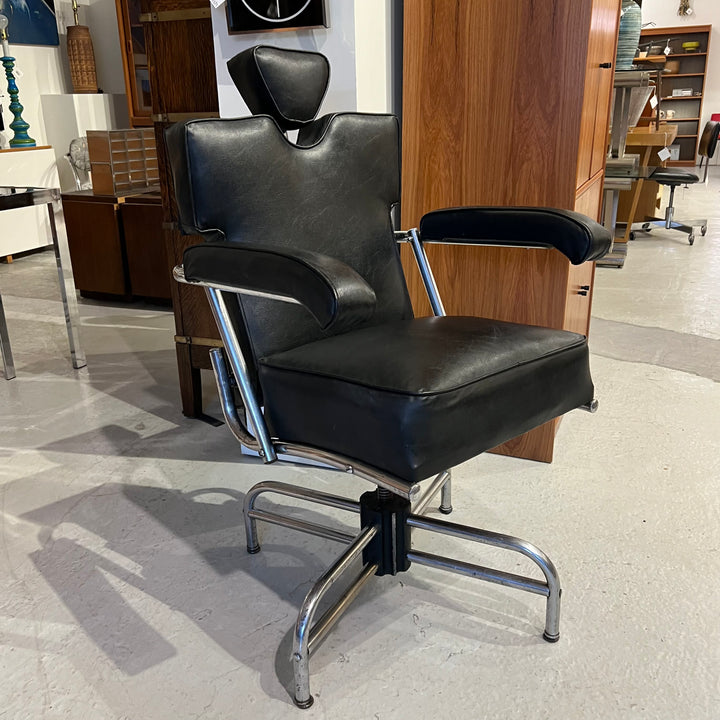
507	103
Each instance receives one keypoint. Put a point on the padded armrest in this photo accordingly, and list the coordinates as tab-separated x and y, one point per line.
331	290
575	235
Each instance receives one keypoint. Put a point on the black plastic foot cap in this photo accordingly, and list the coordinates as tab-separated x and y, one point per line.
445	510
551	638
253	550
305	704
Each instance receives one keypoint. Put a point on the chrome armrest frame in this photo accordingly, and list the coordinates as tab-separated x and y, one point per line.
255	434
413	238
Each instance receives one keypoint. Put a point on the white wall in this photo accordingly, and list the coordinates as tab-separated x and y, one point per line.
44	70
38	72
337	42
705	12
373	55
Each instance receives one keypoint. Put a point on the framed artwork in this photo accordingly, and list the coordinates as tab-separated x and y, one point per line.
251	16
32	22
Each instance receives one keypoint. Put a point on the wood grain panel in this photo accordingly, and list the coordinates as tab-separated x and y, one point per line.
148	267
527	291
589	199
598	88
538	444
193	316
494	114
487	118
605	23
96	247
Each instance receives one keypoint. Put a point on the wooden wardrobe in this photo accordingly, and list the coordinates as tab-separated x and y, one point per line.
507	103
181	62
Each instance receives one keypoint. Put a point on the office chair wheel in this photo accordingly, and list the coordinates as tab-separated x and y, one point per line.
691	238
646	227
703	230
631	236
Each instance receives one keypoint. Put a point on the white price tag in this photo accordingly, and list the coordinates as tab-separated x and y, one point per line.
664	154
653	99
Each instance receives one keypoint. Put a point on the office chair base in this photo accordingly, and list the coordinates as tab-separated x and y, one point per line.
671	224
384	543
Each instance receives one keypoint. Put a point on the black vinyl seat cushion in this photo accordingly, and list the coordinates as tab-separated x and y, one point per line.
674	176
415	397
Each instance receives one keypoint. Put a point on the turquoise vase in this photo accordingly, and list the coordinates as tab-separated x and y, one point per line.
629	34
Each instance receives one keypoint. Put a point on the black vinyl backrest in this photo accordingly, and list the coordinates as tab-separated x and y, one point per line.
709	139
244	181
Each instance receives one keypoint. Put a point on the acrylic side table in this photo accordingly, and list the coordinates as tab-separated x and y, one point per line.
11	198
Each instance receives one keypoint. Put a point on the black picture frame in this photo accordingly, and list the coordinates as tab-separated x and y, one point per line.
241	20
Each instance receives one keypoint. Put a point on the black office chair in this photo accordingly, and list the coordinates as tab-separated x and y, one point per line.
302	271
673	177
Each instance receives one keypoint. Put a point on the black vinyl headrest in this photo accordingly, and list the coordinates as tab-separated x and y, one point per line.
288	85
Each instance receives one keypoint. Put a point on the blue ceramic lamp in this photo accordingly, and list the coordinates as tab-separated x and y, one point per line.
20	139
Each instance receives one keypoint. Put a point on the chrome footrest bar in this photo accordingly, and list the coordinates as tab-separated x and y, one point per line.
326	623
507	542
295	524
481	573
303	634
313	496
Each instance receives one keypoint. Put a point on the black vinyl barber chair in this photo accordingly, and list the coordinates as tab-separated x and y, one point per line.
323	358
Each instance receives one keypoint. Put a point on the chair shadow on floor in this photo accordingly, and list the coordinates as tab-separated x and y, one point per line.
119	541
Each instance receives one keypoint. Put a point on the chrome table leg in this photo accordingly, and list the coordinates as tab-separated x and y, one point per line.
7	357
67	283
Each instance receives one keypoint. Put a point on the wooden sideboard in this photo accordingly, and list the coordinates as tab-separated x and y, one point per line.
507	103
117	245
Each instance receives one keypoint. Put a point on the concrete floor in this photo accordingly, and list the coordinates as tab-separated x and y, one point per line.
128	593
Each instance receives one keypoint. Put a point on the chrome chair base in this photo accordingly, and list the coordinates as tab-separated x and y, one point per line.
310	632
669	223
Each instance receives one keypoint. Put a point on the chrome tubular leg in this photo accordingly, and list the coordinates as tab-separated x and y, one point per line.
67	282
440	482
426	273
240	369
446	495
251	514
227	401
550	588
303	633
5	349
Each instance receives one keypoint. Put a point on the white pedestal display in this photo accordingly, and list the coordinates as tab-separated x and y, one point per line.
70	116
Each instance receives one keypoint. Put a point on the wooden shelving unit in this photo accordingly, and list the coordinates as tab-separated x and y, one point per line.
135	64
691	74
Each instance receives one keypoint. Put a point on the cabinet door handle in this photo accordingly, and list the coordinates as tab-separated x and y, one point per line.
606	66
584	287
